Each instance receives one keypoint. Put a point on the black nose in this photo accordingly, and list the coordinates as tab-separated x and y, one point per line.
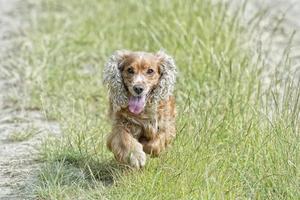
138	89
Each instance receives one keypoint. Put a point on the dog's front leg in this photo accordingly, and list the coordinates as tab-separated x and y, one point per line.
161	140
155	146
151	129
126	148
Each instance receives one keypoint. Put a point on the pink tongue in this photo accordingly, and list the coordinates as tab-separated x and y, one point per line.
136	104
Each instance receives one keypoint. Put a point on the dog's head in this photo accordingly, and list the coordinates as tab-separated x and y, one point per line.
133	78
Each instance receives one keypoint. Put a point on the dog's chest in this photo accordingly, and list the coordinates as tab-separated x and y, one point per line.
144	125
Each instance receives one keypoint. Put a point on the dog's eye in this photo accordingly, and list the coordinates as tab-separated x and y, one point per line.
150	71
130	70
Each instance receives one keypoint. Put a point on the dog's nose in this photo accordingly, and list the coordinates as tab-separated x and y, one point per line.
138	89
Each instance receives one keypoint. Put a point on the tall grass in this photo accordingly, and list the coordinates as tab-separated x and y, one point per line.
234	140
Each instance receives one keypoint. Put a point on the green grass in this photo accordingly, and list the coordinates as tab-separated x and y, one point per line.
235	139
23	135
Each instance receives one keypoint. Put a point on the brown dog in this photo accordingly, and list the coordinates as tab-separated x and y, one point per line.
142	107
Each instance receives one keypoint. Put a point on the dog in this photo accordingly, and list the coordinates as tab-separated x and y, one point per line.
142	105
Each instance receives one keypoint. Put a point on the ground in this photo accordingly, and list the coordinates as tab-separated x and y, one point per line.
22	128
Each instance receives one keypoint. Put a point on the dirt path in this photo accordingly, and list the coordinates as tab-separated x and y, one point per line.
21	130
280	23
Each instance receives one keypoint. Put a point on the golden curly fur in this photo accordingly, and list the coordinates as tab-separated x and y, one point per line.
142	106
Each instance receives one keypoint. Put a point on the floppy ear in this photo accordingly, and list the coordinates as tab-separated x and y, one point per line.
112	78
167	80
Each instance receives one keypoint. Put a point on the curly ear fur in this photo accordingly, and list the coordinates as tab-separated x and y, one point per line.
113	79
167	79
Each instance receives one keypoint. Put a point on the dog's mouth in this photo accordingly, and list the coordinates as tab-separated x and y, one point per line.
136	104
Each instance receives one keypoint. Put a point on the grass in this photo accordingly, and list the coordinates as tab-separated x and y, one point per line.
236	137
23	135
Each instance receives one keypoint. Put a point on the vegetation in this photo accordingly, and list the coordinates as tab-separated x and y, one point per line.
23	135
236	136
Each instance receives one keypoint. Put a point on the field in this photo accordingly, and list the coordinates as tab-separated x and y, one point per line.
237	136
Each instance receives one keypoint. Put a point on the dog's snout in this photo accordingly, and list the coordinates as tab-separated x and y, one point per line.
138	89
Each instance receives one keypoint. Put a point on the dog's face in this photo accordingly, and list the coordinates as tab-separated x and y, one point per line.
141	74
135	77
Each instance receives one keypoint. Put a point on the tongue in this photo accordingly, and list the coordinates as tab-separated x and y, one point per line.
136	104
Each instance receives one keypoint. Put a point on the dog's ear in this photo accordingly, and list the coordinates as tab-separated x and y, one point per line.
112	78
168	77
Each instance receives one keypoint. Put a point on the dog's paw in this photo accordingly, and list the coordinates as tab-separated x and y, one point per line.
137	158
153	147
